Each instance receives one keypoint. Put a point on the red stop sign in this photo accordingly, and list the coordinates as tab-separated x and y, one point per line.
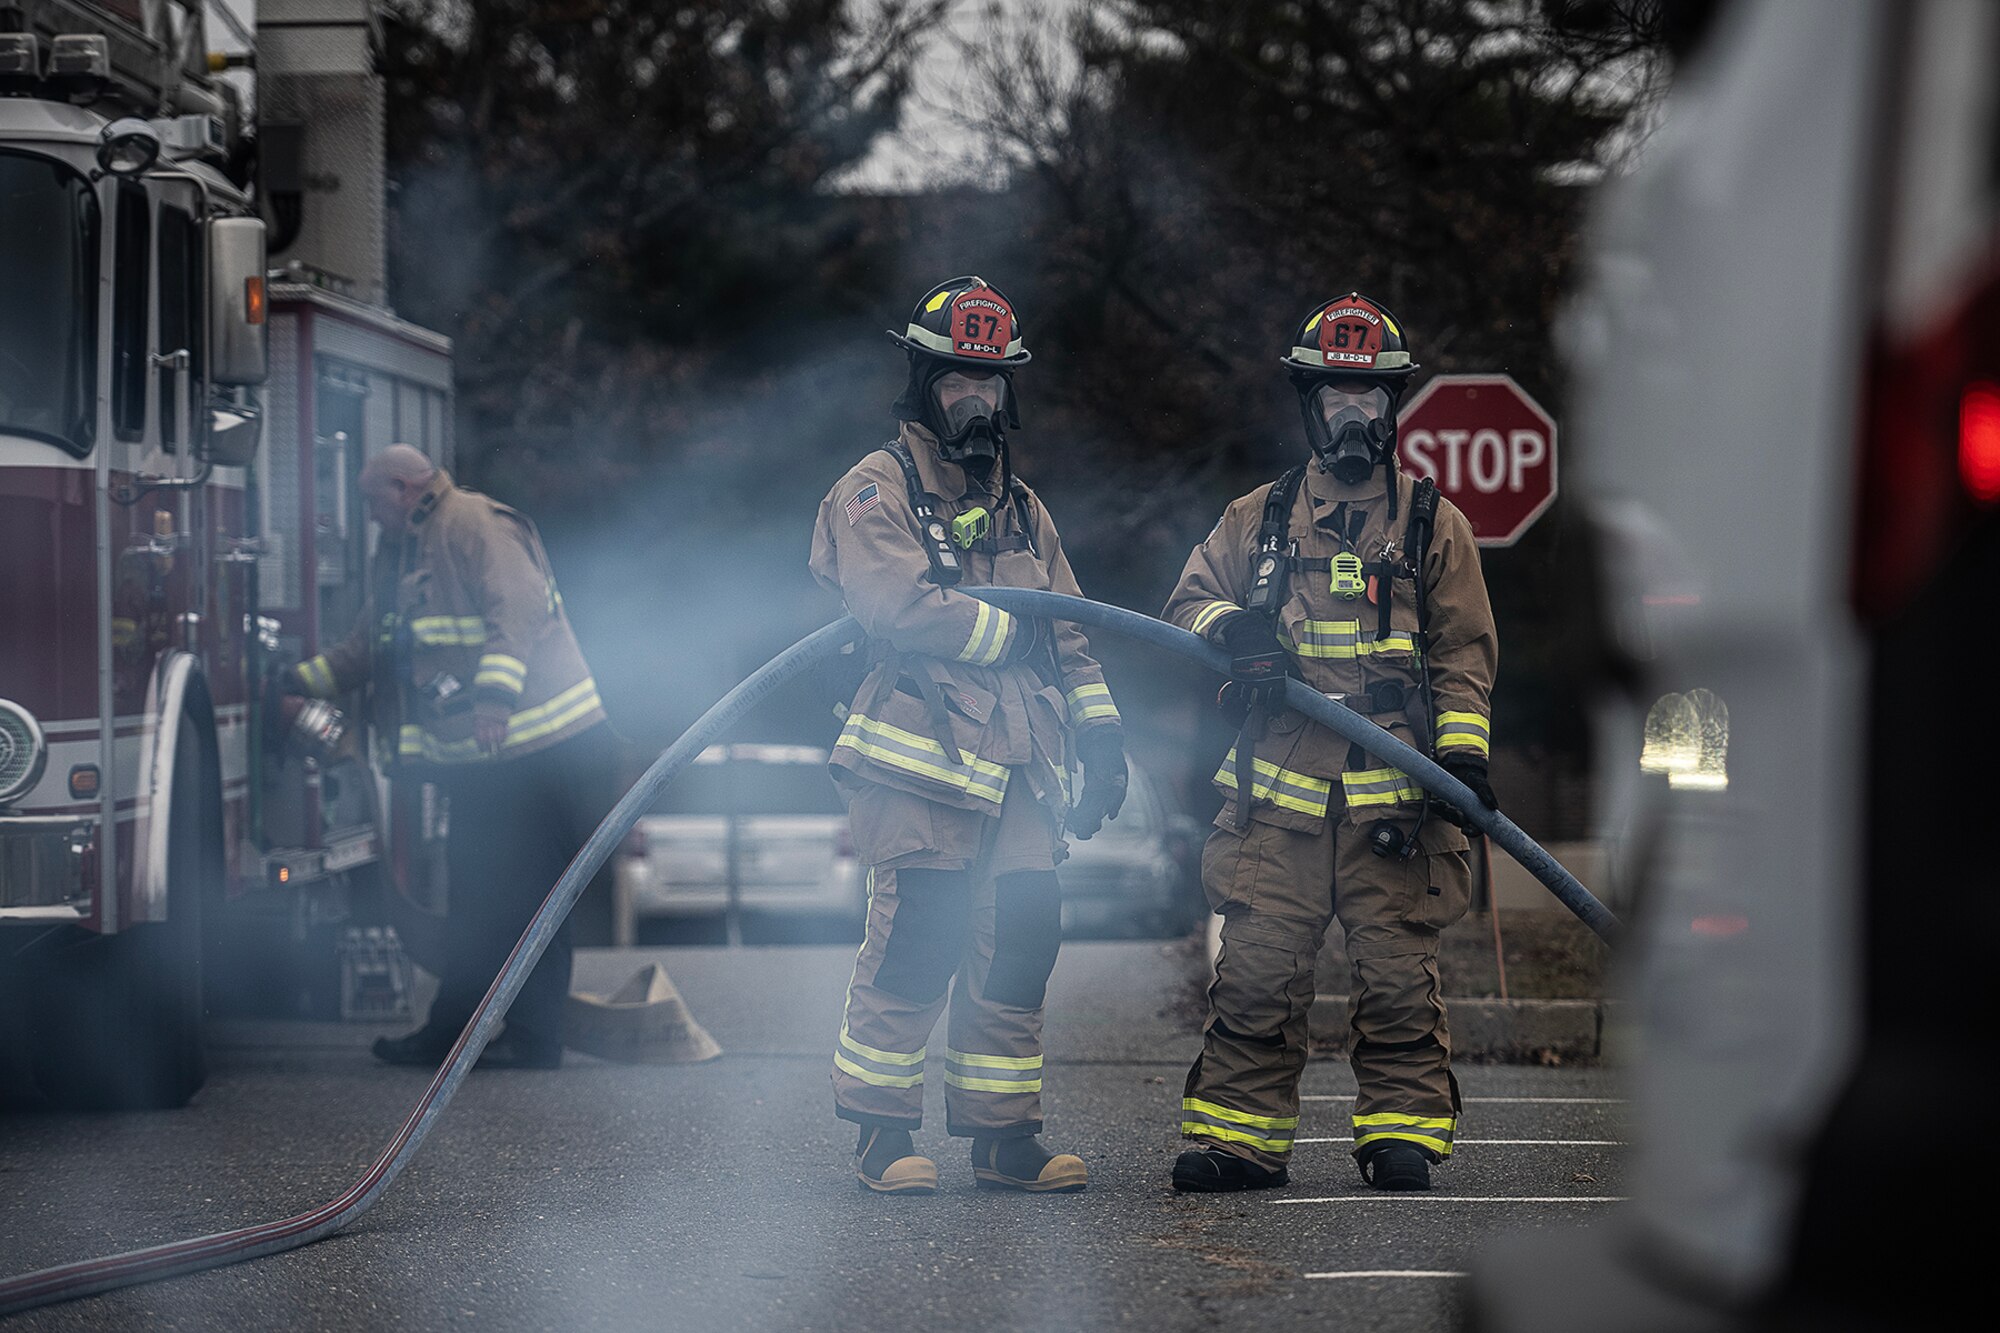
1491	448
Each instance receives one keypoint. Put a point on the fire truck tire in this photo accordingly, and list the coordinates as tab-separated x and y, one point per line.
124	1027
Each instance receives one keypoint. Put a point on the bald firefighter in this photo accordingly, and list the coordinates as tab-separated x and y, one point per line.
955	758
479	686
1367	587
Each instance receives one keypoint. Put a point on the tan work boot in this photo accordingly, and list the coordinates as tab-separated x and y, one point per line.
886	1162
1022	1163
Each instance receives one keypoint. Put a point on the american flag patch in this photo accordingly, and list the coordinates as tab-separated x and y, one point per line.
864	500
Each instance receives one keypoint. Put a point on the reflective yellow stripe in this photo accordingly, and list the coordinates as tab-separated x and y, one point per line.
879	1056
1341	640
992	631
1378	786
1442	1147
1465	731
527	725
444	631
1280	786
509	673
1211	613
991	1084
890	746
1197	1128
1089	702
874	1079
1395	1125
994	1061
1444	1122
1239	1117
317	676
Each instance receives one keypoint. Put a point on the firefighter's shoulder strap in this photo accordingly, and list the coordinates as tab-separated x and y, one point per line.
1271	561
945	569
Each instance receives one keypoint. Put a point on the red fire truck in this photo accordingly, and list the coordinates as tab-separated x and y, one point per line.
181	428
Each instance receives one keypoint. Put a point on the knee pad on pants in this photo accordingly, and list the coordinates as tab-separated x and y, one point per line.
1027	933
927	933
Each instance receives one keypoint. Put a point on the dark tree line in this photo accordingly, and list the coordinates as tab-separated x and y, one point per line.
669	315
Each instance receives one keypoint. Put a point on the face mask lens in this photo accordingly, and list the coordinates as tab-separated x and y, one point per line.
1353	403
963	400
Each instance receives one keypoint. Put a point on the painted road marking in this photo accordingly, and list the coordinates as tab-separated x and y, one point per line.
1388	1272
1404	1197
1493	1101
1507	1143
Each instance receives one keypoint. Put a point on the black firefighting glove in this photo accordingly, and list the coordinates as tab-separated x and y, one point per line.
289	679
1102	751
1029	634
1471	770
1257	661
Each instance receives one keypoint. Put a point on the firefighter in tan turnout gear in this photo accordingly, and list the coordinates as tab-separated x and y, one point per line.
1367	587
954	755
478	685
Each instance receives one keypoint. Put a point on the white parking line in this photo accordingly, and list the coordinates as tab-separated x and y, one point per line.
1506	1143
1388	1272
1400	1196
1495	1101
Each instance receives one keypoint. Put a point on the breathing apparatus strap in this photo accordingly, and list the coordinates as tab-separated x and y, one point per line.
1270	578
1417	544
1271	563
946	569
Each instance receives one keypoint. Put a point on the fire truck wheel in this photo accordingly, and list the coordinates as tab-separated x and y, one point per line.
124	1026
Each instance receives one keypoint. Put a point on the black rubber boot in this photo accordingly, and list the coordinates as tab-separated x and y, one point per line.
886	1162
1213	1171
1396	1166
1022	1163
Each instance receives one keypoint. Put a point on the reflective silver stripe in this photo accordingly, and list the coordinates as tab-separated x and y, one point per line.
882	1069
1378	786
446	631
1089	702
1280	786
1342	639
508	673
993	1073
1465	731
1433	1132
992	631
527	725
1206	1119
892	747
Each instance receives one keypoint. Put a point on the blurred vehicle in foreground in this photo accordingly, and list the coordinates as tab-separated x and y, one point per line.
1139	875
747	828
1789	430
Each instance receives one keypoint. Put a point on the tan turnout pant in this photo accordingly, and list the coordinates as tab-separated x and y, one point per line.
1277	890
962	902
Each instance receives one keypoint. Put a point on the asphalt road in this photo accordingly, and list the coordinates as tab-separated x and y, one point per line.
721	1195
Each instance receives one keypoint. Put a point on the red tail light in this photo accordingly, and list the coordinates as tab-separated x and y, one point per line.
1930	450
1979	441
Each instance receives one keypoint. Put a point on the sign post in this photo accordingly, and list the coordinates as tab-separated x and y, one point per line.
1490	447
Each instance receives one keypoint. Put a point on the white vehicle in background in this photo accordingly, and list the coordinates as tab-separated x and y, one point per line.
1138	875
746	828
1789	430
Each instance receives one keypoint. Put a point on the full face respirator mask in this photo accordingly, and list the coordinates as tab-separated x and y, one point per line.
969	413
1351	429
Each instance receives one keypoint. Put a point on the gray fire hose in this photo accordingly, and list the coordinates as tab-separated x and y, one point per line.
90	1276
1333	715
